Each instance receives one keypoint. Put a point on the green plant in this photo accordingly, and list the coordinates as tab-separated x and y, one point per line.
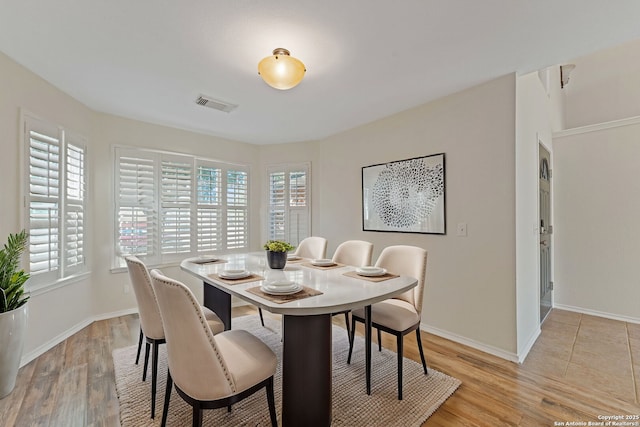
278	246
11	279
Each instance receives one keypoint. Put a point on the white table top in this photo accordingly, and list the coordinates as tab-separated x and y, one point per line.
339	292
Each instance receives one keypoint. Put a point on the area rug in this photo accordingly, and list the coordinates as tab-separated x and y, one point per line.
422	394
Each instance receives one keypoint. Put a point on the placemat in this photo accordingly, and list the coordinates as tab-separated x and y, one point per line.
306	292
295	261
382	278
218	261
251	278
322	267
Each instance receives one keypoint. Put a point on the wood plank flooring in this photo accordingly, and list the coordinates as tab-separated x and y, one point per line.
580	368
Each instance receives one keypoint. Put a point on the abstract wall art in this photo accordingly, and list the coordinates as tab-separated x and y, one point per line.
406	196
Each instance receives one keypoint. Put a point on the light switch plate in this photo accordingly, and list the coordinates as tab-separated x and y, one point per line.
462	229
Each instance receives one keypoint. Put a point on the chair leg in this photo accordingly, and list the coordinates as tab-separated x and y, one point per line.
147	346
353	336
167	398
261	318
139	346
379	340
424	364
154	379
367	348
346	322
197	415
400	360
272	403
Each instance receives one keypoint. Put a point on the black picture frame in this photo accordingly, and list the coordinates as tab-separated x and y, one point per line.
405	196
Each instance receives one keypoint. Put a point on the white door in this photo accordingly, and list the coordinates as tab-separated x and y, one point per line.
546	285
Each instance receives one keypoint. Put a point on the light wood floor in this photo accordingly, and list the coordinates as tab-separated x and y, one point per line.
580	367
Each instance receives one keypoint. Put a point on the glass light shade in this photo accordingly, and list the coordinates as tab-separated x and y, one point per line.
280	70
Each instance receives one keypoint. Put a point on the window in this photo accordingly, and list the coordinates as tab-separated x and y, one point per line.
55	201
170	206
289	213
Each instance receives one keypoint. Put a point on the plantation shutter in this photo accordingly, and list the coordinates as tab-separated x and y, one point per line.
136	203
277	211
173	206
237	209
44	142
289	210
209	208
75	206
298	210
176	190
55	201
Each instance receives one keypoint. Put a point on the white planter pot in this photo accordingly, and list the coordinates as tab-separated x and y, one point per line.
13	325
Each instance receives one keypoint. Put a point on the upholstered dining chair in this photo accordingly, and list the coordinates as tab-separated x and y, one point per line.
151	322
210	371
312	247
399	315
355	253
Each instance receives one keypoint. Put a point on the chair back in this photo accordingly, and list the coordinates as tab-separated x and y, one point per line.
312	247
354	252
196	365
150	320
406	261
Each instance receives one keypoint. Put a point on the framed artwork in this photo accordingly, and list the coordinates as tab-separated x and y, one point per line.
406	196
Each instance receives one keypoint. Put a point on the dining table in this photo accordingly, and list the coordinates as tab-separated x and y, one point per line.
307	327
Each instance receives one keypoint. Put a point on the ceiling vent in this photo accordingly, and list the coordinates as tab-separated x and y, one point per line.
215	104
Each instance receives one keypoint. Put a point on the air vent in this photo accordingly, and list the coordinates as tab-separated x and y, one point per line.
216	104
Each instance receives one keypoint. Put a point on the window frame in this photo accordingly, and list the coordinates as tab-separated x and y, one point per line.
64	272
160	257
289	209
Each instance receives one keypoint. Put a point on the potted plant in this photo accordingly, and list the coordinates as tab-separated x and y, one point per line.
13	310
277	253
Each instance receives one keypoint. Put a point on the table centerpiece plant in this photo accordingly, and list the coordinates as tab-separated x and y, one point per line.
13	309
277	253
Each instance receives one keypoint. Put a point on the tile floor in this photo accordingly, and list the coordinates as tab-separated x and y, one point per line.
589	351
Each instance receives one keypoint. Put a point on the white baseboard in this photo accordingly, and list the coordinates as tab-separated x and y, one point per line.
40	350
113	314
512	357
26	358
522	354
597	313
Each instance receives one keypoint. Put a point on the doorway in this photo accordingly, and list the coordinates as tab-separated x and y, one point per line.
544	201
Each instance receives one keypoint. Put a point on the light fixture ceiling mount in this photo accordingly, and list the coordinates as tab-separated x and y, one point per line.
281	70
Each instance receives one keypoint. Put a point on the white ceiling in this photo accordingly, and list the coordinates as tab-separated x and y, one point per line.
366	59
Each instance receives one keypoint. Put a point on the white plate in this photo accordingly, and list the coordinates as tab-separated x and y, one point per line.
270	290
371	271
322	262
279	289
204	259
293	257
284	283
234	274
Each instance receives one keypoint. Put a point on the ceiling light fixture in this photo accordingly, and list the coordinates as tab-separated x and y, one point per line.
281	71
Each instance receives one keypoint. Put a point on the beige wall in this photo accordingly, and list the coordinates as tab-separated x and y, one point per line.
470	280
534	123
56	312
604	86
597	207
471	292
49	313
108	287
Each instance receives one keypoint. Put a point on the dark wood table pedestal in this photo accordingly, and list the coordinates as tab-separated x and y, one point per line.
306	364
306	371
220	302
